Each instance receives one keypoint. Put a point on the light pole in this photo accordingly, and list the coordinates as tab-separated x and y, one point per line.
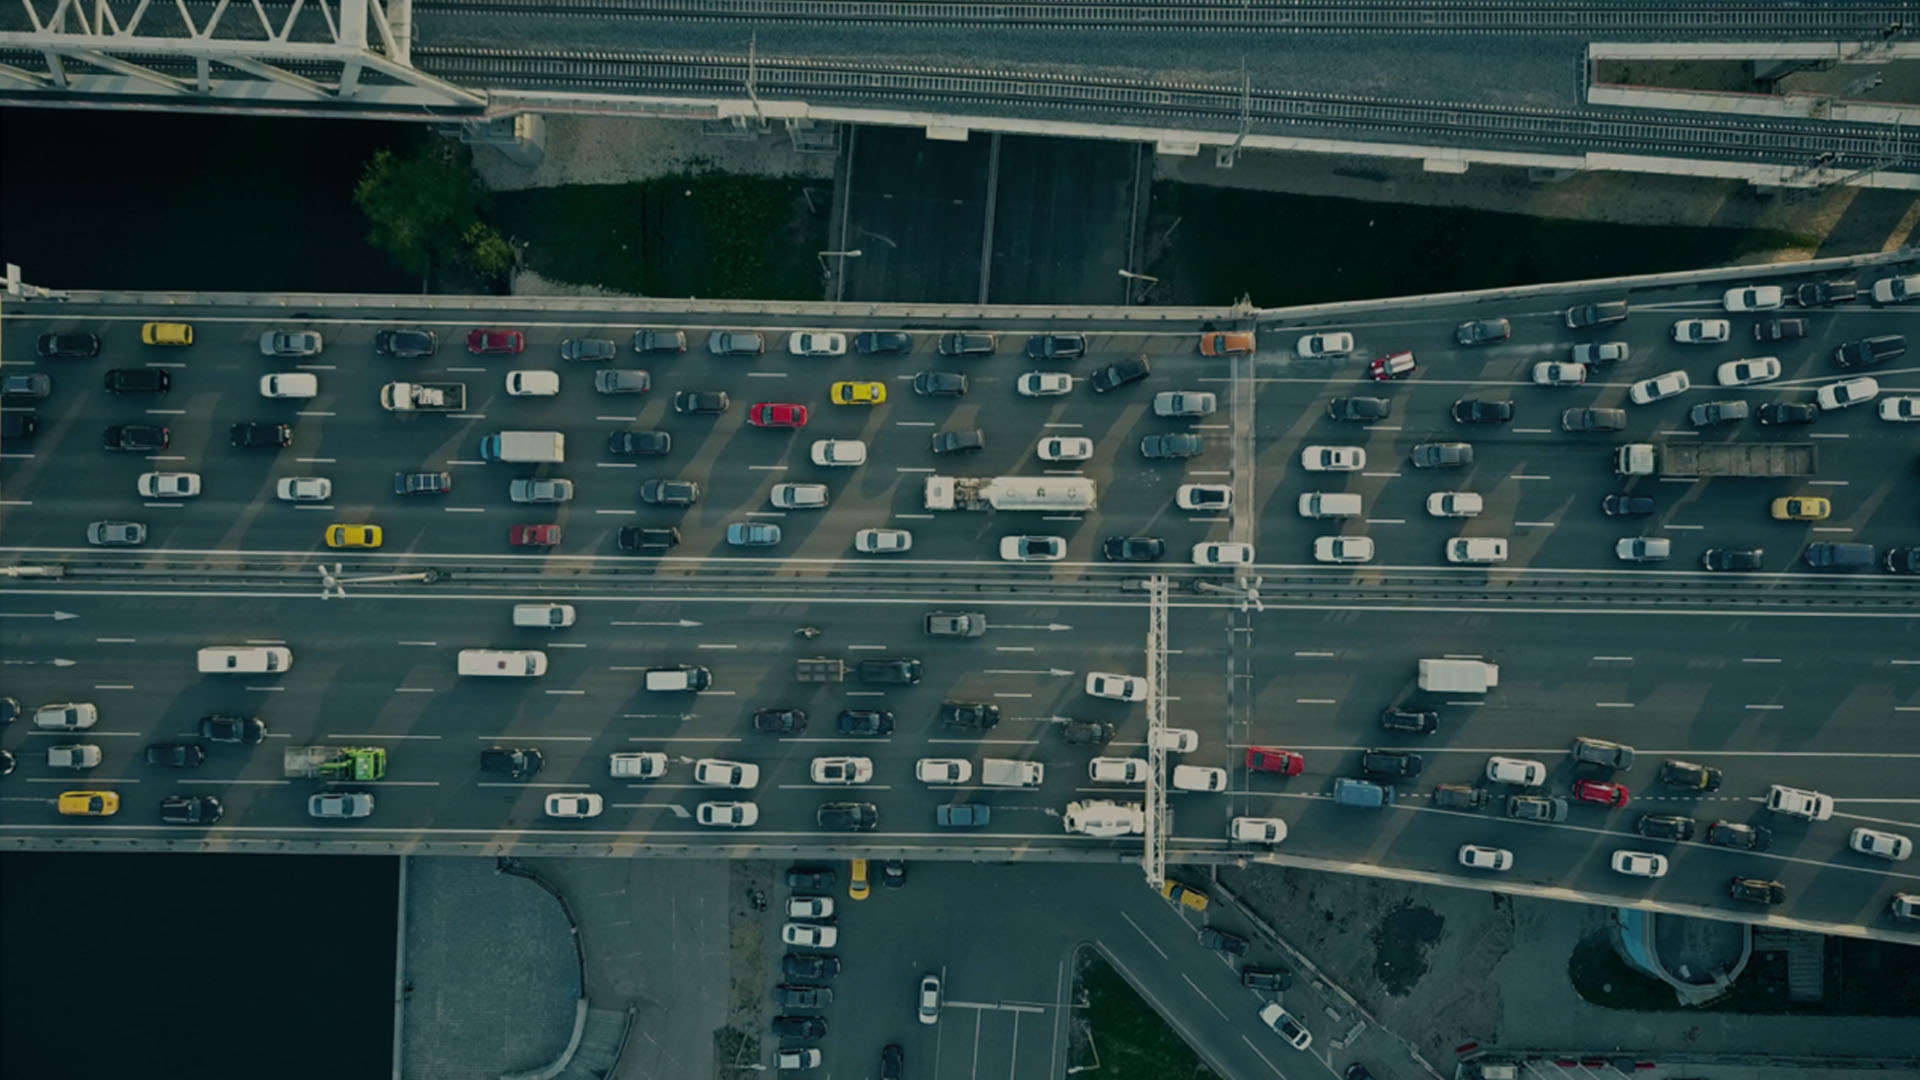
840	282
1131	276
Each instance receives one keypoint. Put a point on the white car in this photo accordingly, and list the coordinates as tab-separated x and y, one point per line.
1799	802
1213	554
533	383
1600	352
1258	830
1702	331
1475	857
1333	458
1203	497
1044	384
1199	778
639	764
1455	504
842	770
1179	740
1117	770
929	1004
290	384
839	453
1895	290
168	485
75	756
1900	408
816	343
1285	1026
1477	549
809	907
1755	298
809	935
574	804
1343	549
1639	864
1102	684
943	770
1064	448
1754	369
799	496
1665	385
304	489
1846	392
1521	771
719	772
1314	346
1033	548
882	541
1559	373
728	815
1886	845
1642	548
797	1058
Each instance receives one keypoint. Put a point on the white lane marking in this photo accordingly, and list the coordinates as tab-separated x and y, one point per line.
1760	660
1144	936
1203	995
424	644
413	689
616	464
314	412
616	513
1532	431
1529	476
315	460
1613	704
1534	524
1623	659
1766	708
464	509
1690	528
567	693
1313	701
718	645
1386	521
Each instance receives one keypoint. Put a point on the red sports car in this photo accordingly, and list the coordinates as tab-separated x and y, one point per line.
1267	759
534	535
776	414
496	341
1391	366
1602	792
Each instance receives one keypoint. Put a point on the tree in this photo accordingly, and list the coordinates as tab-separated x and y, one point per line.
420	209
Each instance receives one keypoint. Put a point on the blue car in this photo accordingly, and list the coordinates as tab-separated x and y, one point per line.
753	534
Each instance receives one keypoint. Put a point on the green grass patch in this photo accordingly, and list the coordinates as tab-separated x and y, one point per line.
736	1054
711	235
1118	1036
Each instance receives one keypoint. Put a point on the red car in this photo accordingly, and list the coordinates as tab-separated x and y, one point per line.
776	414
1392	366
496	341
534	535
1267	759
1602	792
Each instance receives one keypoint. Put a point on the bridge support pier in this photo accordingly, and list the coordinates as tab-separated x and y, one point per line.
522	137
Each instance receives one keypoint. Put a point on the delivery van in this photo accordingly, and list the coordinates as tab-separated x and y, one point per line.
245	659
545	616
1458	676
533	447
683	679
514	663
1006	772
1351	792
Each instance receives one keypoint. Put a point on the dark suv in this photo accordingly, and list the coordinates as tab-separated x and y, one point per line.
256	434
1459	797
1626	506
1823	293
1212	937
1390	763
1407	718
1254	978
966	344
1479	411
74	346
848	816
1120	373
889	670
670	492
136	437
866	722
1734	834
1867	352
1482	332
636	538
1056	346
1688	775
800	1027
405	344
1359	408
956	442
137	381
176	755
1133	548
1665	827
232	729
969	714
1757	890
811	877
1787	412
1732	558
1087	732
809	966
422	483
510	761
780	721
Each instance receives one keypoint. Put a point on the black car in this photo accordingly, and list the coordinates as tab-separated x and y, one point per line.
1593	420
589	350
1254	978
1459	797
1390	763
700	402
137	381
1120	373
16	425
966	344
1441	455
1357	1071
190	809
1483	331
1087	732
1133	548
969	714
1690	775
1182	444
780	721
955	442
1732	558
802	997
515	762
1757	890
1601	313
670	492
1824	293
800	1027
636	538
1712	413
1902	560
27	386
888	670
1480	411
422	483
1056	346
1779	329
74	346
232	729
1626	506
639	443
136	437
810	965
1787	412
1212	937
1867	352
893	1062
811	877
1665	827
883	341
405	344
256	434
1407	718
866	722
940	384
176	755
1359	408
1734	834
847	816
893	873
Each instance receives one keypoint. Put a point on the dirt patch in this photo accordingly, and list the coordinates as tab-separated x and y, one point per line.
1401	943
736	1049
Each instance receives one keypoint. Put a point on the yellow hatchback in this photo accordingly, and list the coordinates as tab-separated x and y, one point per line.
353	536
1801	508
89	803
859	393
857	886
1186	895
166	333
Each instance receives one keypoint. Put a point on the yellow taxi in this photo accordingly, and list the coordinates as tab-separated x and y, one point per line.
89	803
166	333
859	393
857	886
1801	508
1184	894
353	536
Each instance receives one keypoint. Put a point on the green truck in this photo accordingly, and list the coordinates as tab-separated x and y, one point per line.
336	762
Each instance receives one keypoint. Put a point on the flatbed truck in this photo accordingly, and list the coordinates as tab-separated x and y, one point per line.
1716	459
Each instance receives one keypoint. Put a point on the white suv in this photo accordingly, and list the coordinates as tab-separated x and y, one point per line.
1800	803
1117	770
1521	771
1476	549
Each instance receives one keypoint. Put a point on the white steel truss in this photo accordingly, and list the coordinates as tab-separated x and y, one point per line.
1154	858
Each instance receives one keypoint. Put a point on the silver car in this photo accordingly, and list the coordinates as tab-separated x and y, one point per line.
341	804
530	490
799	496
622	381
116	534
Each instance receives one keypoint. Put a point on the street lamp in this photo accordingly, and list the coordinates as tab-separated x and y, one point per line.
1131	277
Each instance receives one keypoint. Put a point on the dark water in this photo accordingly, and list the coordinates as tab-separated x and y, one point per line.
202	967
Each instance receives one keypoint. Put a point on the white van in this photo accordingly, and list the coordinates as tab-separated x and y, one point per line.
1329	504
1006	772
1477	549
517	663
245	659
545	616
1458	676
683	679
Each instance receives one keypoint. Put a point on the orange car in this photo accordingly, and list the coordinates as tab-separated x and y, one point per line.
1226	343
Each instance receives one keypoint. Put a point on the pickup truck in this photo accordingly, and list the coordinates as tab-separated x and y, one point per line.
819	669
423	397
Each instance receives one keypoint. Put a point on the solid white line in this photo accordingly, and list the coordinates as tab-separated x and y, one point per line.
113	686
1313	701
315	460
1628	659
1302	652
1532	431
427	644
1529	476
617	513
1760	660
1827	483
313	506
617	419
1766	708
313	412
1534	524
1386	521
413	689
1203	995
717	645
568	693
1689	528
1613	704
616	464
1148	938
464	509
114	640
